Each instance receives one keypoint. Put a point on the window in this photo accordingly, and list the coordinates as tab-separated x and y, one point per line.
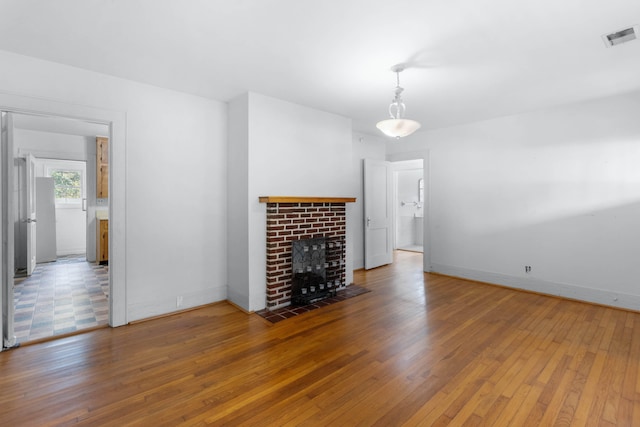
68	182
67	185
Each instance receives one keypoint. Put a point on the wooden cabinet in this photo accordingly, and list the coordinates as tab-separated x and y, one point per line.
102	241
102	167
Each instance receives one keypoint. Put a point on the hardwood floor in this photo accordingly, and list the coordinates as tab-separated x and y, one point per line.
419	349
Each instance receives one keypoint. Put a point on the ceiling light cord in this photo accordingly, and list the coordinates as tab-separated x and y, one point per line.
397	107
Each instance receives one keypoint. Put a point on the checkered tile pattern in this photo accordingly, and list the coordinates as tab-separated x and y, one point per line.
63	296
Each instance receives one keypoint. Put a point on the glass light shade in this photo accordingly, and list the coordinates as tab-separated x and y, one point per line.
398	128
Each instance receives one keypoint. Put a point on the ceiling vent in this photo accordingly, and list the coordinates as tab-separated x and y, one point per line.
621	36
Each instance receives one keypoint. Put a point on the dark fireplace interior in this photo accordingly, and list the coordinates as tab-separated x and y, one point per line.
309	262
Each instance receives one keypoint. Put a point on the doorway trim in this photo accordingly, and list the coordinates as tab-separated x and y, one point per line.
116	121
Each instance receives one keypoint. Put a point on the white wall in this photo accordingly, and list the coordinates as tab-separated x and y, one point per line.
558	190
50	145
292	151
238	202
174	165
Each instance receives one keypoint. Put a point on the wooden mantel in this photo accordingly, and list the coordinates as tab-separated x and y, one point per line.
295	199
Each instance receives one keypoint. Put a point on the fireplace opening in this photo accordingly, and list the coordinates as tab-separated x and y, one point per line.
309	265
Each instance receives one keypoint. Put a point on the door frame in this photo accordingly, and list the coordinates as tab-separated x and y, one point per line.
426	174
396	170
89	203
60	161
7	234
116	121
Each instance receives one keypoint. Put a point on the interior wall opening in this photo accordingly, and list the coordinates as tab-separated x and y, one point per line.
409	205
63	290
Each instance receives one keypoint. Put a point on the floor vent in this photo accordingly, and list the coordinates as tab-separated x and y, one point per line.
621	36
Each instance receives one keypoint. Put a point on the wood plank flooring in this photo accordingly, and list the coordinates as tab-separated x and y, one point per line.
419	350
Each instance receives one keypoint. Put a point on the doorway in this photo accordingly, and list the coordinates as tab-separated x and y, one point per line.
63	291
115	120
409	205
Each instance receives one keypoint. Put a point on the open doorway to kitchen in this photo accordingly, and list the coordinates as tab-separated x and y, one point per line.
409	205
115	122
64	290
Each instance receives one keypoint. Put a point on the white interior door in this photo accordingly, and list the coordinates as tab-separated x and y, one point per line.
31	212
377	214
7	250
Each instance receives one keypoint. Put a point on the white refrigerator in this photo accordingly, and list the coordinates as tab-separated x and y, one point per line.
46	225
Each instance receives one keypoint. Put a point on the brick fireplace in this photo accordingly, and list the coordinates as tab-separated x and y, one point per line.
298	218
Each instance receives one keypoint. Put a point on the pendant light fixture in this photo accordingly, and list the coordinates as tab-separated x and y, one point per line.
397	126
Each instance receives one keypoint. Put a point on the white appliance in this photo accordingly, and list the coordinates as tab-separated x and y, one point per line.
46	225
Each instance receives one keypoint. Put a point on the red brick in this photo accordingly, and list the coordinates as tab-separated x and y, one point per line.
301	221
291	210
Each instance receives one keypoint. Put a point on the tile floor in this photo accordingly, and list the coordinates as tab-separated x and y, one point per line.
63	296
290	311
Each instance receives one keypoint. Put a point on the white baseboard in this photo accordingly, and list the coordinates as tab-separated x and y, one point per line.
169	304
597	296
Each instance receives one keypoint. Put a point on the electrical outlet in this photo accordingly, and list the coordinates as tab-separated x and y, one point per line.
179	301
527	269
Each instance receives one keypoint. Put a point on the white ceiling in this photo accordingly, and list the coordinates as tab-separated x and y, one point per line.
466	60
